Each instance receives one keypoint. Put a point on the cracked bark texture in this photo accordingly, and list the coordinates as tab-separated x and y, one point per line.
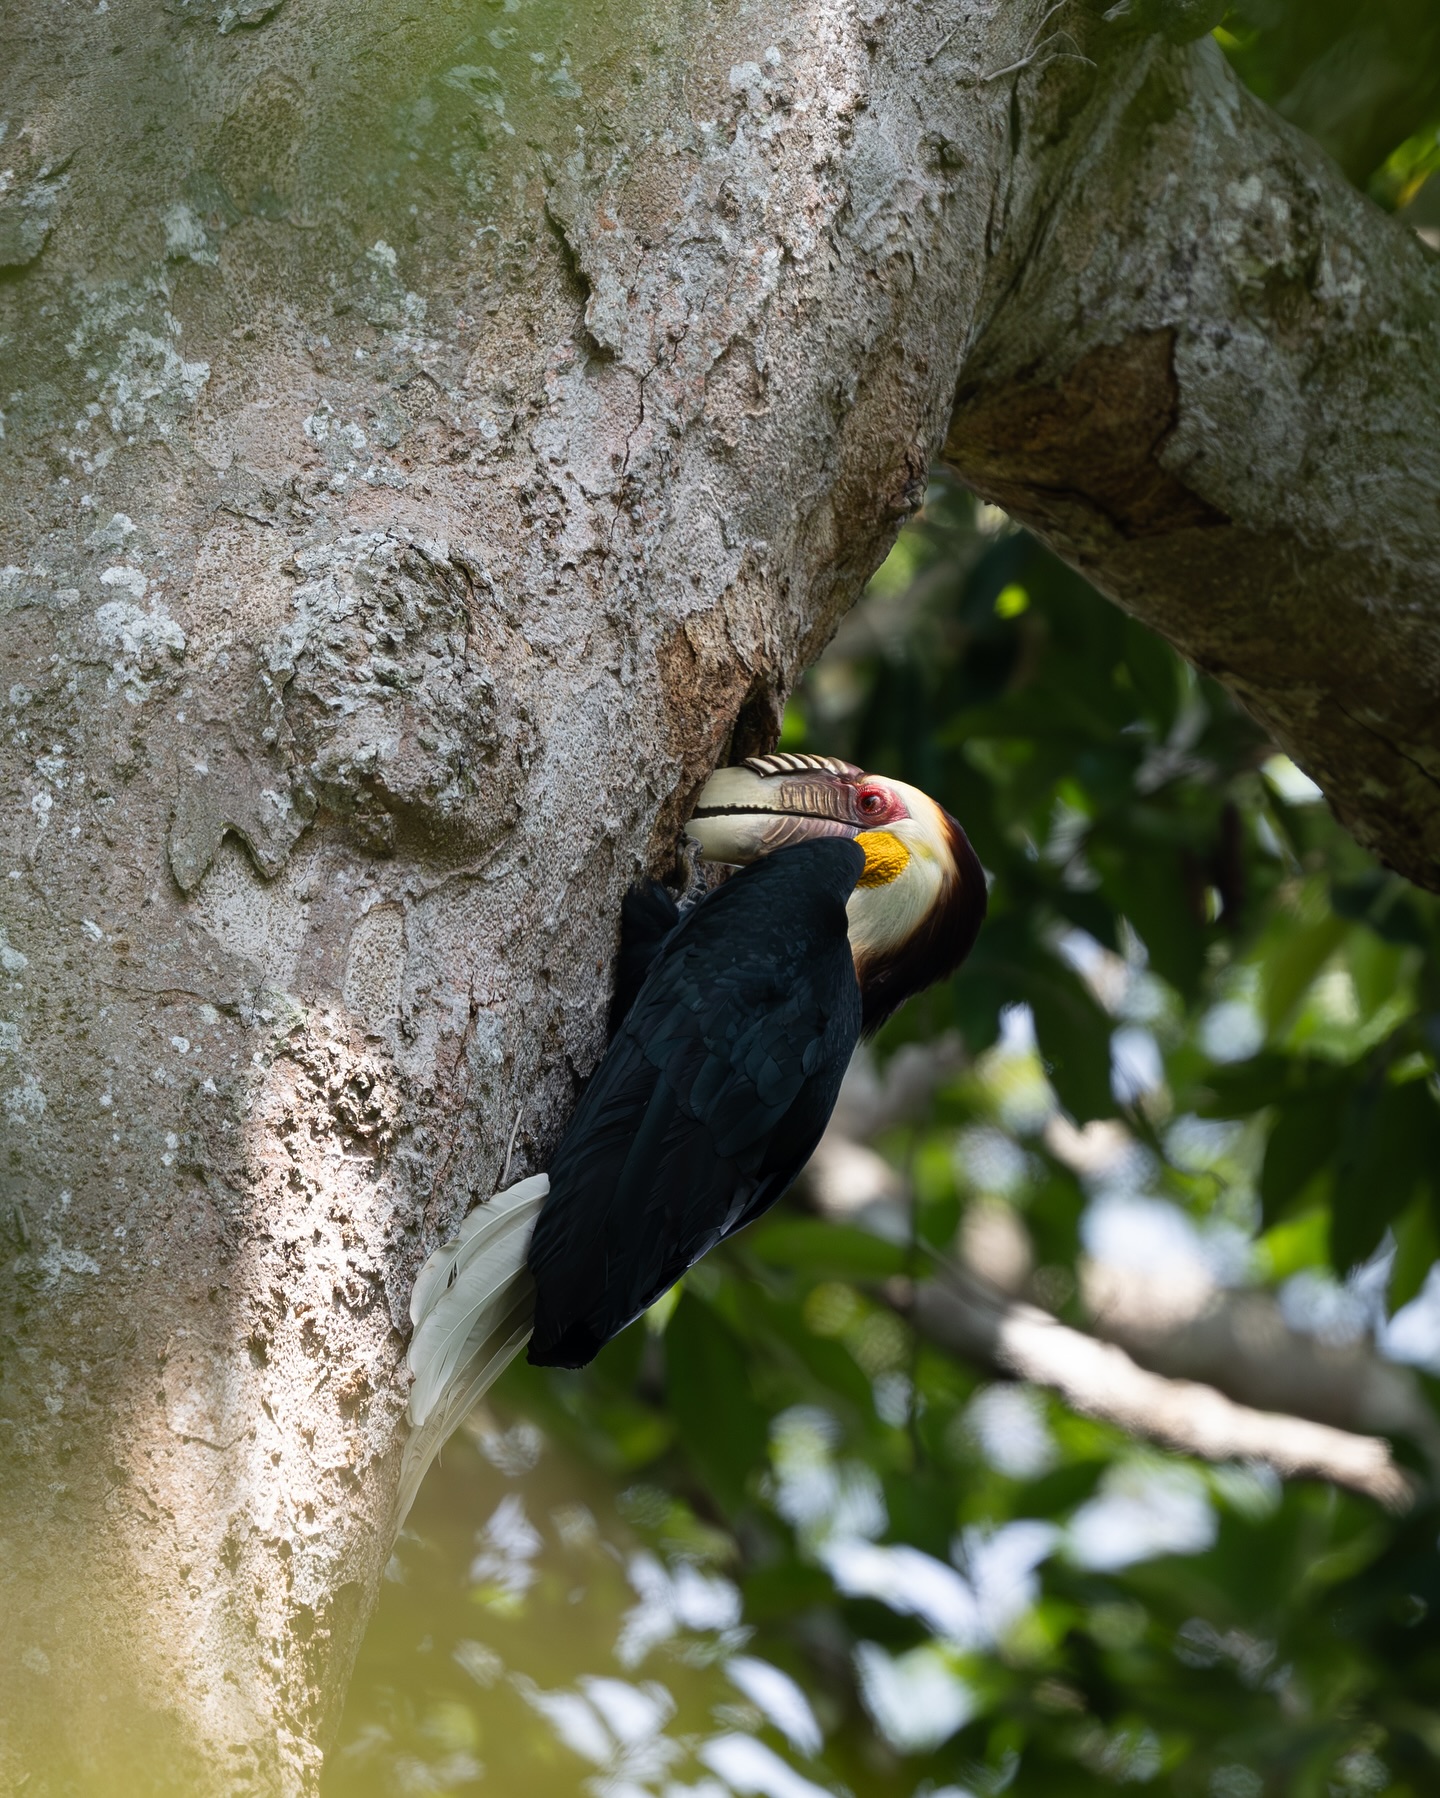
430	440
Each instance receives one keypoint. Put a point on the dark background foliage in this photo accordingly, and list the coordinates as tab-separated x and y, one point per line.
1185	954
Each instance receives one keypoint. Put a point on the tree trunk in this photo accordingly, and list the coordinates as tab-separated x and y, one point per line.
426	442
430	440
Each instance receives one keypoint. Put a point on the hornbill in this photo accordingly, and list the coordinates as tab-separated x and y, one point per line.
733	1024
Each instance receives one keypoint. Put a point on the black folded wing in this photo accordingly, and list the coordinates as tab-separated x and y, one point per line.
709	1100
647	916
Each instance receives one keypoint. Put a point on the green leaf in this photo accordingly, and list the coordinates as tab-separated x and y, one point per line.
1289	971
1417	1249
1375	968
819	1370
1245	1087
781	1593
1298	1243
1391	1146
707	1390
1073	1035
1304	1140
1386	904
1152	854
826	1251
1155	670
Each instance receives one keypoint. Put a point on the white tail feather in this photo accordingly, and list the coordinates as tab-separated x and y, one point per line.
472	1309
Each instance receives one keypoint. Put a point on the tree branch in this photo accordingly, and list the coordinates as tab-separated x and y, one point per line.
1177	1360
963	1315
1208	378
1239	1342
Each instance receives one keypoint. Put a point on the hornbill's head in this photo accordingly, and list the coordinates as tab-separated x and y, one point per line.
917	907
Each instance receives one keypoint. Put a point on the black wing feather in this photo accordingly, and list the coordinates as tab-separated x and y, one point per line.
647	916
709	1101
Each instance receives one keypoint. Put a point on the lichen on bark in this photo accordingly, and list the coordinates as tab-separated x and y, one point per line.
429	441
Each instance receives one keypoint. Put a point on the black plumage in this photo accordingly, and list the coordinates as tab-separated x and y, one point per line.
717	1086
647	916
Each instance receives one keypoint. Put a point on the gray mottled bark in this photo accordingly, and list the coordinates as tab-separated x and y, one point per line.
429	434
430	437
1209	379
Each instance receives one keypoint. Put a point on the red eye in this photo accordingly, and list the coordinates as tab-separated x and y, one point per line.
873	804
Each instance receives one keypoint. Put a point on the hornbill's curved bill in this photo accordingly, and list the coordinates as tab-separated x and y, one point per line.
733	1025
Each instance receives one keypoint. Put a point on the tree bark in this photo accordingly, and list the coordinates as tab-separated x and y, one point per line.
431	439
1208	378
428	445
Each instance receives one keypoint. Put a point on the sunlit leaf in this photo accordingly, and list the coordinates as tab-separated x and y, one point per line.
1293	964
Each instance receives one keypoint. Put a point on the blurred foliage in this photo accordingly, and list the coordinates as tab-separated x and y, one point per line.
772	1544
1155	864
1364	81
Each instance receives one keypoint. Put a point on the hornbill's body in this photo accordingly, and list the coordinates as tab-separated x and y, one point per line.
733	1026
715	1090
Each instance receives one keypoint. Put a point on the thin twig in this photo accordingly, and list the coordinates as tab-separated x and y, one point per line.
505	1171
1034	44
1029	62
943	44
